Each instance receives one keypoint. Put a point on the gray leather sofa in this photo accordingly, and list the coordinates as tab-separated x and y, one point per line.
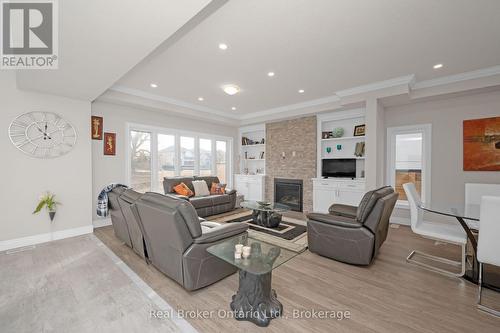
207	205
176	243
353	234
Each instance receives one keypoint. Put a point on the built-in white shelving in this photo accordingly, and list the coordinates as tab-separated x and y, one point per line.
252	149
251	179
344	146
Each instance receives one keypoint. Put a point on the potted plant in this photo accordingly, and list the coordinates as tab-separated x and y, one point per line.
47	200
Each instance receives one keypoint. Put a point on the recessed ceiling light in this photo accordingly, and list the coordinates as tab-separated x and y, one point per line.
438	66
233	108
301	91
270	74
231	89
200	99
223	46
153	85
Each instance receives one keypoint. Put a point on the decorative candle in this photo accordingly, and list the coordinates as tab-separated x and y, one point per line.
246	251
237	255
238	248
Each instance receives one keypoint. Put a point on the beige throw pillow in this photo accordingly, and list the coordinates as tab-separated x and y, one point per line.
200	188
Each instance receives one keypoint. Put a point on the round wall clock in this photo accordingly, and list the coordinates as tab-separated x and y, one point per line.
42	134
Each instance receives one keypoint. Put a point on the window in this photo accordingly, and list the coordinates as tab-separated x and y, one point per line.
187	156
140	154
409	154
166	157
221	168
206	157
155	153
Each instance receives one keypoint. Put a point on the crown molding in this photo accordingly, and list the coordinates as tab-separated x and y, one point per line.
171	101
140	102
446	80
400	85
334	99
406	80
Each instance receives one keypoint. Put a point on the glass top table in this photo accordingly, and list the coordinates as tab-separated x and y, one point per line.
266	214
467	212
255	300
265	206
264	257
468	217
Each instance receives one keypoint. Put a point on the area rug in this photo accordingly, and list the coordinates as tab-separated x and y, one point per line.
291	234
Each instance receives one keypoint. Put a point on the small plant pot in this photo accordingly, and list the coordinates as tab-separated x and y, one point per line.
52	214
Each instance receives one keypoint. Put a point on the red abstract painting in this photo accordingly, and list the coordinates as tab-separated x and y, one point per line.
482	144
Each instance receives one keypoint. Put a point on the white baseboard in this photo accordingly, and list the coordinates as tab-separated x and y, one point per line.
400	220
44	238
102	222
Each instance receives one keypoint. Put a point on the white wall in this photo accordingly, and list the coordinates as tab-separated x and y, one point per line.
112	169
446	117
25	178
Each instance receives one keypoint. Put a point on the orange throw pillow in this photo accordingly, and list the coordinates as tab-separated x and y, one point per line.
218	188
182	189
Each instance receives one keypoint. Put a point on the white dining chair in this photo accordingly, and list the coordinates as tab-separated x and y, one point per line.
488	246
473	194
442	232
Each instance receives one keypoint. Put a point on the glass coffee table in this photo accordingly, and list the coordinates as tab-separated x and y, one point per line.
268	215
255	300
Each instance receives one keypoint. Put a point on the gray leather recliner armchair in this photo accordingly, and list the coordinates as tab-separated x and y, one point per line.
176	244
126	200
117	219
353	239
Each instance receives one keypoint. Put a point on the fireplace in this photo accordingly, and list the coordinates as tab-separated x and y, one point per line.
289	192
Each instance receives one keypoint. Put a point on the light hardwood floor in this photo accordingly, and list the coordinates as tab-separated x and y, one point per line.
388	296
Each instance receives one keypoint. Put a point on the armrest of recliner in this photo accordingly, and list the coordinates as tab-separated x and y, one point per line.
222	232
209	224
343	210
335	220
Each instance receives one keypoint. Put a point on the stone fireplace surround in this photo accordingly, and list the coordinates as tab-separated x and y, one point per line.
289	136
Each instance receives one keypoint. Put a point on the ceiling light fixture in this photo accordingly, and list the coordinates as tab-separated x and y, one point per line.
233	108
231	89
153	85
301	91
200	99
438	66
270	74
223	46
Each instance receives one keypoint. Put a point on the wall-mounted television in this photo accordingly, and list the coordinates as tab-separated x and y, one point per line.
339	167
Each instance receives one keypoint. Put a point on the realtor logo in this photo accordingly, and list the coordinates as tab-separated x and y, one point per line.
29	36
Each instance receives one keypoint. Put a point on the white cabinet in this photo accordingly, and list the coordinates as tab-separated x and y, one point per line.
340	191
250	186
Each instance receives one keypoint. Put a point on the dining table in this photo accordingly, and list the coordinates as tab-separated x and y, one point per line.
468	216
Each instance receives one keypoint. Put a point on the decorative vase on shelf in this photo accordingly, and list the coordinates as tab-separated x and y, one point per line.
338	132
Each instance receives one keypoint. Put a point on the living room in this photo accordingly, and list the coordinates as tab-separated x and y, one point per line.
250	166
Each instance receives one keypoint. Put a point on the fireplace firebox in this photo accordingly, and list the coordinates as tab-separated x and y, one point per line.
289	192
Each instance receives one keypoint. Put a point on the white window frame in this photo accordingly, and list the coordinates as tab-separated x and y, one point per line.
426	131
154	130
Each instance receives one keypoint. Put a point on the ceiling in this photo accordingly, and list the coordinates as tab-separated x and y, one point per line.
321	46
100	41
